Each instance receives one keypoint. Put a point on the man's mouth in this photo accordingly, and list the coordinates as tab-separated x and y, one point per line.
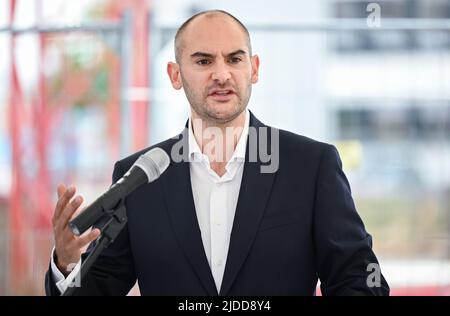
221	95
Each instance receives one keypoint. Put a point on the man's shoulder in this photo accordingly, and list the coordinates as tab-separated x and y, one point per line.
291	142
299	152
295	143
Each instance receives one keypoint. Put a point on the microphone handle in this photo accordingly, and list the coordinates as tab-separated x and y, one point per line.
108	200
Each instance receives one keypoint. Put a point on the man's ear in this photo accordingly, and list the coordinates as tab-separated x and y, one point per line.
173	70
255	68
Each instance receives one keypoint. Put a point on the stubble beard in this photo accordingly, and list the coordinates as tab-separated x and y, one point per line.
208	114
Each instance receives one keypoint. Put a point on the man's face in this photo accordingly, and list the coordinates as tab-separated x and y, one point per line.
215	68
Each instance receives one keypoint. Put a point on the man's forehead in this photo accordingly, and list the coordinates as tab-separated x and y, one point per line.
221	44
219	40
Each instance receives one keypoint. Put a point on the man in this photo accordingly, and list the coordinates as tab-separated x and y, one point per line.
221	220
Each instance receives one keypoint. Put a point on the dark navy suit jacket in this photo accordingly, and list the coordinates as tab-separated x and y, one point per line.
291	227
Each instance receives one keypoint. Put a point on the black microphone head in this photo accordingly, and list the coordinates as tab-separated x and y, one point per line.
153	163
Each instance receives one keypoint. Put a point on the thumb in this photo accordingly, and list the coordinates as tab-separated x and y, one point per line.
86	239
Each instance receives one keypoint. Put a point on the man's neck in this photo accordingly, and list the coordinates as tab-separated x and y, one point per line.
218	141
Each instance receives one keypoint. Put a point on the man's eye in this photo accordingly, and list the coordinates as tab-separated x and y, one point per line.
203	62
235	60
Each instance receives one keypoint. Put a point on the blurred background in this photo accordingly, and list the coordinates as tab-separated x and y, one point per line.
83	84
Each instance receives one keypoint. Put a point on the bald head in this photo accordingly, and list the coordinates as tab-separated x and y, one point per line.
180	43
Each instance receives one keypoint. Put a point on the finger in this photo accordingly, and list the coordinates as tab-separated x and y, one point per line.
78	212
68	211
63	200
88	238
67	233
61	189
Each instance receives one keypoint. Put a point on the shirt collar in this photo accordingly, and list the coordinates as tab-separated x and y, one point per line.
195	153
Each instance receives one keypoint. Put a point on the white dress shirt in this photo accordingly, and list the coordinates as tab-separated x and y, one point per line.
215	200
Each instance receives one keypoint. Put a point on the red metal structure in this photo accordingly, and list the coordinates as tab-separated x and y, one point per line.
140	65
17	223
32	188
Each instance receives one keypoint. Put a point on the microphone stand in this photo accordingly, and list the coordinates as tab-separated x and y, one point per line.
109	232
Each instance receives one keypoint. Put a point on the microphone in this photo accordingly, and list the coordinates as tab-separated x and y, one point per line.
147	168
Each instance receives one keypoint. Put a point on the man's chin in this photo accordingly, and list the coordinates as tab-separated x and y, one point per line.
218	114
220	117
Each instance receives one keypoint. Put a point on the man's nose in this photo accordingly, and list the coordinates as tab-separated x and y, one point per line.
221	73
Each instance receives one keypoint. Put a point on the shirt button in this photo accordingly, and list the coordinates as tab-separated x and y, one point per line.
219	263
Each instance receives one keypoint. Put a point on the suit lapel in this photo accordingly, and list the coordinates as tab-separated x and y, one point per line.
253	196
180	204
